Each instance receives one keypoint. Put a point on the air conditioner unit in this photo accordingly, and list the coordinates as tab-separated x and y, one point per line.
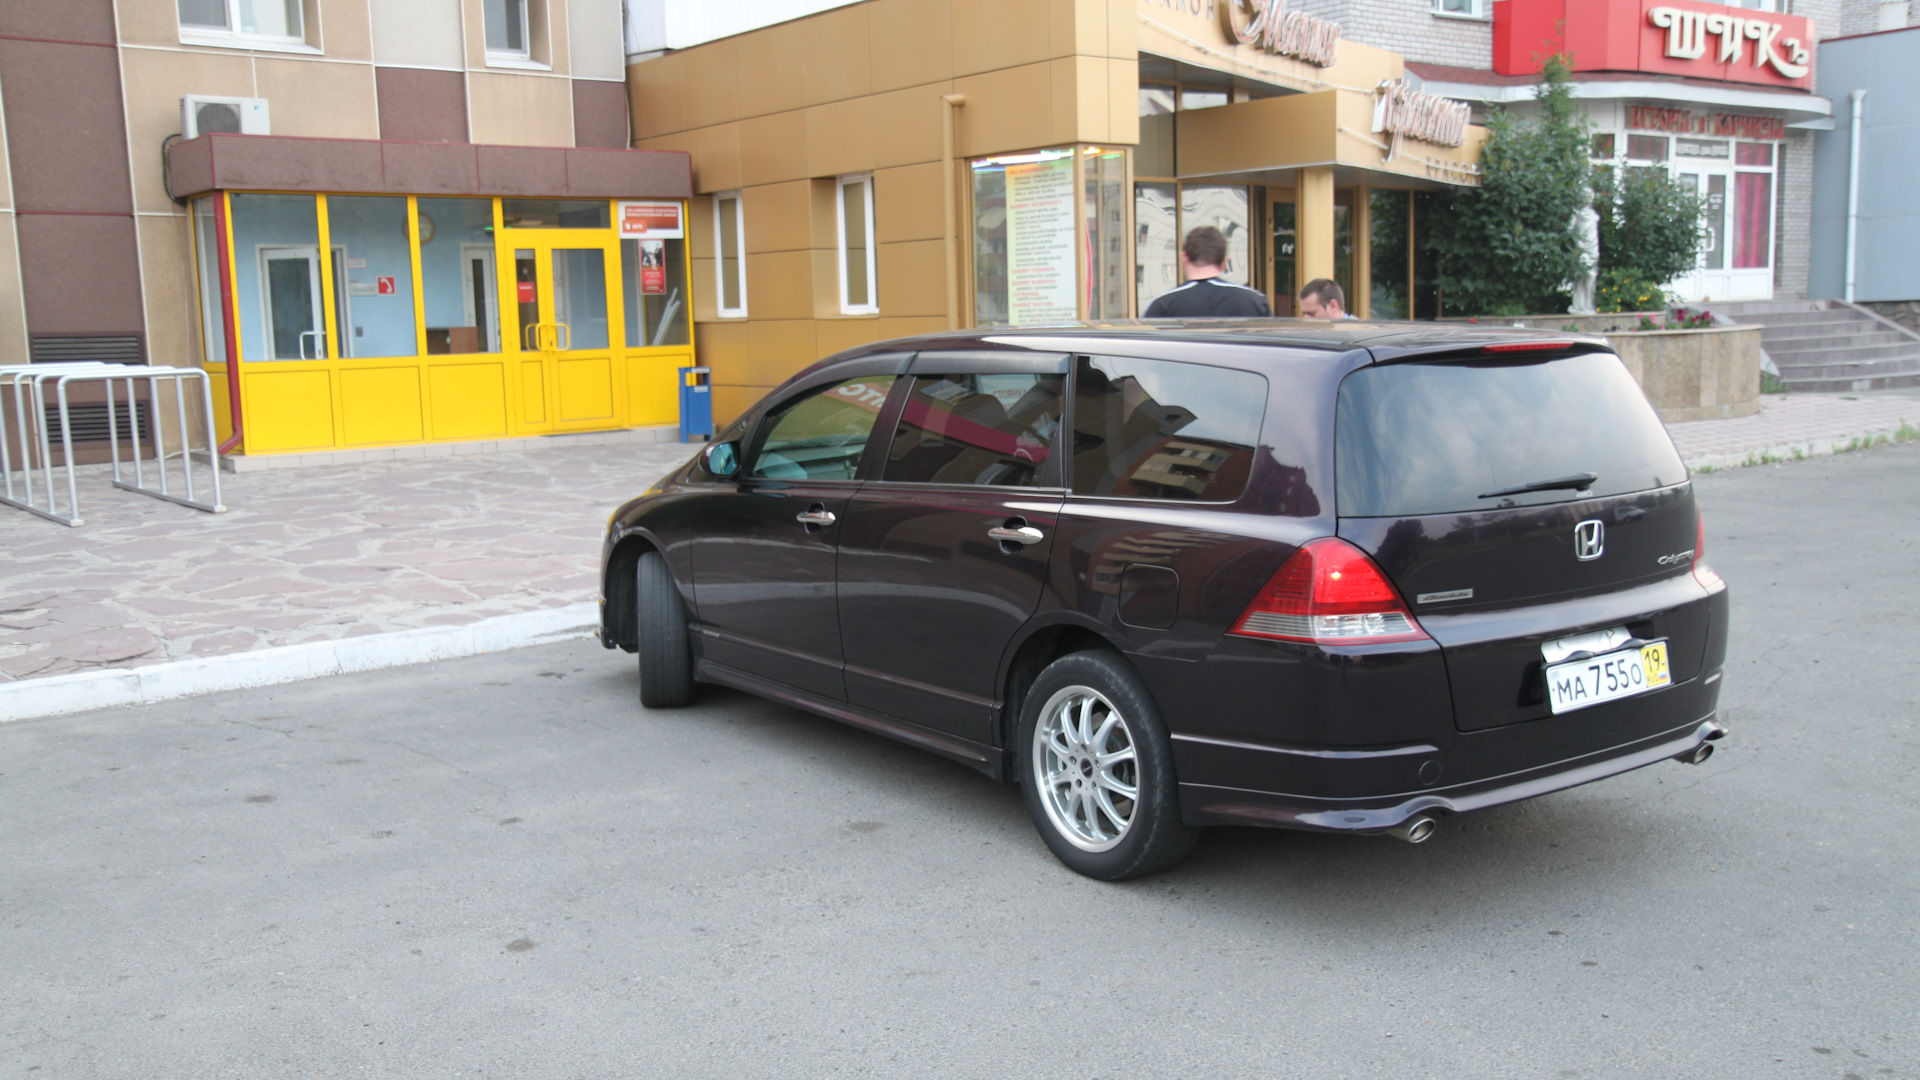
204	115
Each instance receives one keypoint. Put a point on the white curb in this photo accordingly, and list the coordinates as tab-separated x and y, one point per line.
59	694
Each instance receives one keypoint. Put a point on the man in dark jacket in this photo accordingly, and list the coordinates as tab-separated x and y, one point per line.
1203	259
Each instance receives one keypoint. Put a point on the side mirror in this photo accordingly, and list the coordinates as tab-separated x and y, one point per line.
721	459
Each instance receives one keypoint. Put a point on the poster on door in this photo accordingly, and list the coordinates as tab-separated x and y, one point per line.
653	266
1040	243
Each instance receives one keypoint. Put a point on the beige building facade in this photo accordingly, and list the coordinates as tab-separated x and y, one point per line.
251	185
1020	163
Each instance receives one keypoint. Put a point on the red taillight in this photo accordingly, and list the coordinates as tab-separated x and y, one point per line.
1329	593
1703	573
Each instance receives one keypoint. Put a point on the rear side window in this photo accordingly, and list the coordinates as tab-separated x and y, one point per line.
995	430
1157	429
1454	438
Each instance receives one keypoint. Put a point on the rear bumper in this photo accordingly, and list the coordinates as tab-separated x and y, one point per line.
1204	804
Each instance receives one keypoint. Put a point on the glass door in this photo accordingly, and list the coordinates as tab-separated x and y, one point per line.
565	307
293	303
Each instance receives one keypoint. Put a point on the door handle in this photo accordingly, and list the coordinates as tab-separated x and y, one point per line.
1024	534
816	517
526	336
562	337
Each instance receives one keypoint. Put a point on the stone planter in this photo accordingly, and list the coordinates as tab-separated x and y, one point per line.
1709	374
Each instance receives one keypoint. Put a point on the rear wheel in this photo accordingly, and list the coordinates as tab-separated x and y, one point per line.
1098	770
666	659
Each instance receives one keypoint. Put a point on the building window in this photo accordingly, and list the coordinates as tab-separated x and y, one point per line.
730	255
511	29
1108	252
213	318
267	23
1461	9
1023	239
853	211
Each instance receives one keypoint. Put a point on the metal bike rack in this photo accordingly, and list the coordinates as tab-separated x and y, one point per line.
29	385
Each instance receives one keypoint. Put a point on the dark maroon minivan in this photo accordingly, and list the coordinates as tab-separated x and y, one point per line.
1350	576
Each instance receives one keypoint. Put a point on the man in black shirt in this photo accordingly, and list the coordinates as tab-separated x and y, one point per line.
1203	259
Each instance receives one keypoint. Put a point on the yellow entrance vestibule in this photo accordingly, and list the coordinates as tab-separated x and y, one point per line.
361	320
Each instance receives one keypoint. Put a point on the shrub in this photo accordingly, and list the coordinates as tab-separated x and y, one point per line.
1650	224
1626	290
1506	247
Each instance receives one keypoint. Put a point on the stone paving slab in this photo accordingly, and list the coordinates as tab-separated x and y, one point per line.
1795	425
340	552
310	555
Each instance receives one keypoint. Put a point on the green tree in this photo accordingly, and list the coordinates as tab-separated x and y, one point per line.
1507	247
1650	225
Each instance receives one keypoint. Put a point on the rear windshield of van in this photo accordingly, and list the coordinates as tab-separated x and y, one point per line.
1444	438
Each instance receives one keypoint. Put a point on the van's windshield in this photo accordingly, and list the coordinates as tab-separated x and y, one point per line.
1442	438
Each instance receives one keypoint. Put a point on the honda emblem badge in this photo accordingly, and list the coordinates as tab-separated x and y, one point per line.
1589	540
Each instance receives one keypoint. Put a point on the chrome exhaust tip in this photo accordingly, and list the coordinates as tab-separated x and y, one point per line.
1415	830
1696	755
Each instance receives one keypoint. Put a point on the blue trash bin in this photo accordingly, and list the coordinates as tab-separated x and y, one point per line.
696	405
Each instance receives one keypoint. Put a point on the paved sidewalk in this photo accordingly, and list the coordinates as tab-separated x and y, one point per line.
1797	425
331	553
307	555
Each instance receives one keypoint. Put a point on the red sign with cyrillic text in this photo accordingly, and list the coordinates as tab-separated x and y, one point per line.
1666	37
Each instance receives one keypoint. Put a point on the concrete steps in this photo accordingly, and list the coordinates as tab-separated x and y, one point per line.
1830	345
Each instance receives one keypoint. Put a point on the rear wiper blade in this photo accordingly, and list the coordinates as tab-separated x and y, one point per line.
1576	482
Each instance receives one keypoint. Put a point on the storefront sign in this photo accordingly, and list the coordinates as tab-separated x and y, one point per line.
653	266
1700	40
1266	24
1687	33
1040	260
1722	125
1402	111
526	292
656	220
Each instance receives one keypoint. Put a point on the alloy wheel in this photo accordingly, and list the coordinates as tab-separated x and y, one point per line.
1085	768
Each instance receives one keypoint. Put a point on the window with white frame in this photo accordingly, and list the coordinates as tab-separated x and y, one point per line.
258	22
1462	9
509	31
853	208
730	255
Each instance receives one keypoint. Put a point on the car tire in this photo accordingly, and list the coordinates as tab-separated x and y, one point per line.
1096	768
666	658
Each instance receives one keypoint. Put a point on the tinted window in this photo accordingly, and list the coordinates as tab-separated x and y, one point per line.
1155	429
821	434
1435	438
996	430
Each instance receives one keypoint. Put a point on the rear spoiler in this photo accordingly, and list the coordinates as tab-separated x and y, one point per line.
1513	350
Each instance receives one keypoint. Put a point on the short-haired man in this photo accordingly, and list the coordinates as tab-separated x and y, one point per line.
1323	299
1207	294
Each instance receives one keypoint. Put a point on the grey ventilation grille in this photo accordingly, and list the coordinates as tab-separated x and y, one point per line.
115	349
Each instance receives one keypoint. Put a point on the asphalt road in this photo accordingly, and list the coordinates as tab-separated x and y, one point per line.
503	867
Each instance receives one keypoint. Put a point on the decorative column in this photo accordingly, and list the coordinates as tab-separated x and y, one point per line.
1314	220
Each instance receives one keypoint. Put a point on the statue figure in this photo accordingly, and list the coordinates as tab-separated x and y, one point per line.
1586	223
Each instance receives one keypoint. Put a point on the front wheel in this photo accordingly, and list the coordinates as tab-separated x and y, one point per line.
1098	770
666	658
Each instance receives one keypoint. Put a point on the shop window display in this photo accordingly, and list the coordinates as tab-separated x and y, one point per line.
1023	239
1156	226
279	296
1107	247
374	262
654	272
213	323
458	279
